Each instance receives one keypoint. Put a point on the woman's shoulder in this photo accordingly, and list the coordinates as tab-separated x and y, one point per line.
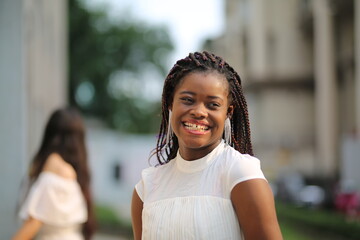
232	155
55	196
55	164
151	177
240	167
157	170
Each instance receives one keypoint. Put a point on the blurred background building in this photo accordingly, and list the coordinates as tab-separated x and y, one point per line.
299	61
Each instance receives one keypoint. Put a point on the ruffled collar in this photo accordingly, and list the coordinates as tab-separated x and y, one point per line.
198	164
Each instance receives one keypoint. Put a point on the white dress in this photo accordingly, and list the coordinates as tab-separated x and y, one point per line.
191	199
59	204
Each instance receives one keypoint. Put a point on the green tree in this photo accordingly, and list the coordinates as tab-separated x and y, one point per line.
108	63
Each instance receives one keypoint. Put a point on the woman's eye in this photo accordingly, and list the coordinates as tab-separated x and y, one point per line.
214	105
187	100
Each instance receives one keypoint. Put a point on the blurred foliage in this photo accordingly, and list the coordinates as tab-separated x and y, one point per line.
107	57
109	222
324	224
292	232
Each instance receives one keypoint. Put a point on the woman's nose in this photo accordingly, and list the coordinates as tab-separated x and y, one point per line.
199	111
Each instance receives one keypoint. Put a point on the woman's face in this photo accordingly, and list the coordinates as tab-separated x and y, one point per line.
199	109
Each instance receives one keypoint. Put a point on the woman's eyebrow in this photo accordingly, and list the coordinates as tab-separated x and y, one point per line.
192	93
214	97
188	92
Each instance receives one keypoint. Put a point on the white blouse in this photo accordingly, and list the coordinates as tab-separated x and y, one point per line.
191	199
59	204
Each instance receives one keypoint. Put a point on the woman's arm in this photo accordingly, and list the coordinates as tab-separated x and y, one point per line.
136	212
254	205
28	230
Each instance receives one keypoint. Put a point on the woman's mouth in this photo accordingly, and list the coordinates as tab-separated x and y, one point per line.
196	127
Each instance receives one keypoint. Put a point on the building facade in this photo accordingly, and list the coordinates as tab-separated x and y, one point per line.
299	62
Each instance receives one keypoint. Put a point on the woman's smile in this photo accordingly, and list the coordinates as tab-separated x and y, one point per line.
196	128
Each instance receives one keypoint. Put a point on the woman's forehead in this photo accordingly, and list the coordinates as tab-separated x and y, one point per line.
204	80
205	77
204	83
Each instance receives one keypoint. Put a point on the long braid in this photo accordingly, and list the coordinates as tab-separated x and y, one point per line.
202	62
244	131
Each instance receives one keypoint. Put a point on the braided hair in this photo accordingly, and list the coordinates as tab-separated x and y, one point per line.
204	62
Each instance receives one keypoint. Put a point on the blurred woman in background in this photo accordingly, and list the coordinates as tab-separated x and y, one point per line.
58	204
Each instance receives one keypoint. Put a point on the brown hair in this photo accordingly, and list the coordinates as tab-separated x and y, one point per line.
204	62
65	135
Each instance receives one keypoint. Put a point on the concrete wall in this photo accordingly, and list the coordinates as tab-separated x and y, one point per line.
13	147
108	149
32	83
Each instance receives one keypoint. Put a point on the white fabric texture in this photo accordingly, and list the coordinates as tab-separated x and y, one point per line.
191	199
59	204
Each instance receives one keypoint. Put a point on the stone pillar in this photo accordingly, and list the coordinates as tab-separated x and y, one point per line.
357	66
13	147
325	91
257	39
234	51
45	57
33	72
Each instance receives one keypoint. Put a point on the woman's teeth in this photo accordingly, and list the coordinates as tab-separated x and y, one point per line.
195	127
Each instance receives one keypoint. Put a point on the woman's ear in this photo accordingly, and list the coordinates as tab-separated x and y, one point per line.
230	111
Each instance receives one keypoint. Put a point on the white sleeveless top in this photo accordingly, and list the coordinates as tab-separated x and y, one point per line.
191	199
59	204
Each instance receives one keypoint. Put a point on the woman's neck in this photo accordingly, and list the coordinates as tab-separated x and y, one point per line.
191	154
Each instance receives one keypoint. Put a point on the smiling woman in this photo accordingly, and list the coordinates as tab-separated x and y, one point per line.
199	109
208	184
